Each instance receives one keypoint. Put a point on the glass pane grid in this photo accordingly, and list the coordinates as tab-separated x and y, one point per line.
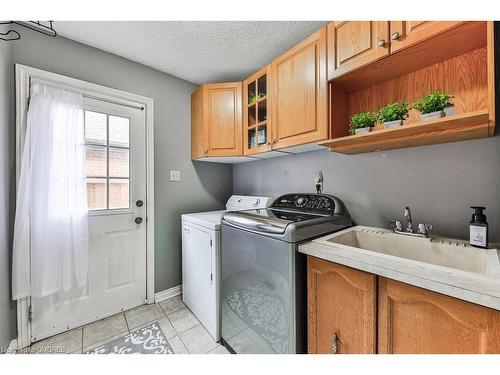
107	140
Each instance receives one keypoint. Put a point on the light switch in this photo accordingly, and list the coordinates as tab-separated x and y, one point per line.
175	175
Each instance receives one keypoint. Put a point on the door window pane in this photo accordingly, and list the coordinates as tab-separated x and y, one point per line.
96	193
107	161
95	128
95	161
119	131
118	193
118	162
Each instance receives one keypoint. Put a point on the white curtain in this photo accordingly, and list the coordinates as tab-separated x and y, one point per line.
51	224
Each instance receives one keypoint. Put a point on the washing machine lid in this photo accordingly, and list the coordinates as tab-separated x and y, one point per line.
210	220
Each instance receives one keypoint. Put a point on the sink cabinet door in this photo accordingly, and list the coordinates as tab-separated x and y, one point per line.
412	320
341	302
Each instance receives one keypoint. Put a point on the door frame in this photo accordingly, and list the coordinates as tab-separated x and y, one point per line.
24	74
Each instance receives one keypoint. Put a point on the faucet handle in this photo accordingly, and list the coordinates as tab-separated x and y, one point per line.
398	225
424	228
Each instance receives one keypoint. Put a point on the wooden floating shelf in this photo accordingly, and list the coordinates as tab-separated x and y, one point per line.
460	127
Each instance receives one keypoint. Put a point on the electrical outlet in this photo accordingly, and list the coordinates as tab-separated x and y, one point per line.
175	175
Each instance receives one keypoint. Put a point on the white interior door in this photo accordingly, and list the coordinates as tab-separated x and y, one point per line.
115	139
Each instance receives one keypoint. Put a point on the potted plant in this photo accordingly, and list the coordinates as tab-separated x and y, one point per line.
392	115
434	106
362	122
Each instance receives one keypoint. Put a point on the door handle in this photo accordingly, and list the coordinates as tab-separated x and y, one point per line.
138	220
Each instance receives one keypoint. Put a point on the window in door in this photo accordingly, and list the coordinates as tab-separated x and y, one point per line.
107	149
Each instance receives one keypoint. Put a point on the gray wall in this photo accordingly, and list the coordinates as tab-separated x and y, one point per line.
7	307
439	182
204	186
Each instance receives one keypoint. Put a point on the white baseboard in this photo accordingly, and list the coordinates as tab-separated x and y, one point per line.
168	293
12	348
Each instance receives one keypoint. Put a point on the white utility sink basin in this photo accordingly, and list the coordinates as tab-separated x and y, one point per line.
442	252
443	265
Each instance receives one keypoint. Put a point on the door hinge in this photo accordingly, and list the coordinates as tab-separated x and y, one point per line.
30	313
211	278
210	242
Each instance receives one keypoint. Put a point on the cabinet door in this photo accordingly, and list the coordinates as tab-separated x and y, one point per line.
300	93
406	33
341	308
257	134
353	44
223	119
417	321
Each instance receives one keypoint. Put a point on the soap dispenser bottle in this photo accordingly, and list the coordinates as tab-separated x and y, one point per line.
478	228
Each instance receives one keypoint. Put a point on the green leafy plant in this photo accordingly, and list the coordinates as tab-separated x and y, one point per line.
393	112
254	98
362	120
435	101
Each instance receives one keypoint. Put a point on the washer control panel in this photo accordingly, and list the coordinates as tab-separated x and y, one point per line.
320	203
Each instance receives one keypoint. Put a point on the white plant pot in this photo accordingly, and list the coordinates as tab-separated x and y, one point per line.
393	124
362	130
432	115
449	111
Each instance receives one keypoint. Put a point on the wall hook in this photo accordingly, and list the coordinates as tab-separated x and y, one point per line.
10	35
36	26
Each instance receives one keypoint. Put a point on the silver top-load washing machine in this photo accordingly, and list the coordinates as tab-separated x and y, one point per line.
263	275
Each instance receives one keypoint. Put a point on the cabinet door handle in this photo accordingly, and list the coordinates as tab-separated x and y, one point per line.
395	36
335	346
381	43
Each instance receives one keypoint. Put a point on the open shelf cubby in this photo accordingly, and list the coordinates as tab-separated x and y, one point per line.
464	70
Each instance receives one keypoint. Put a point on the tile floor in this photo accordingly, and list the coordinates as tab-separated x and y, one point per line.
182	329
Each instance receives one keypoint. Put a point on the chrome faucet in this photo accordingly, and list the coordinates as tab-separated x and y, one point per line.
422	229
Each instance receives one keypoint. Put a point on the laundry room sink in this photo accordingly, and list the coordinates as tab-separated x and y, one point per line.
443	252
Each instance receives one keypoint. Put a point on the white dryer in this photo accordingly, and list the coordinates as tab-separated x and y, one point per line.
201	259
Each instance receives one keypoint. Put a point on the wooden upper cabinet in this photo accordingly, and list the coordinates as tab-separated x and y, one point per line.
417	321
341	308
407	33
353	44
257	125
216	120
299	93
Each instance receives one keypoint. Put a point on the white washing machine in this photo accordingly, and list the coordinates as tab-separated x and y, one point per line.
201	259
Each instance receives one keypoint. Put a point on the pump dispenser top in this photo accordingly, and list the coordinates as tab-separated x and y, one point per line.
478	216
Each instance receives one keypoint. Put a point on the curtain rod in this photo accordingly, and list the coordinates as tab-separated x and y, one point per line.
113	102
88	96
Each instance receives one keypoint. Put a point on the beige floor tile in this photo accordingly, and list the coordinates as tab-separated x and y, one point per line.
197	340
183	319
219	350
167	327
172	304
104	329
143	314
177	345
64	343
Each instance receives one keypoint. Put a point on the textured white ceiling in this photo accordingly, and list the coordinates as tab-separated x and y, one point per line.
198	51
